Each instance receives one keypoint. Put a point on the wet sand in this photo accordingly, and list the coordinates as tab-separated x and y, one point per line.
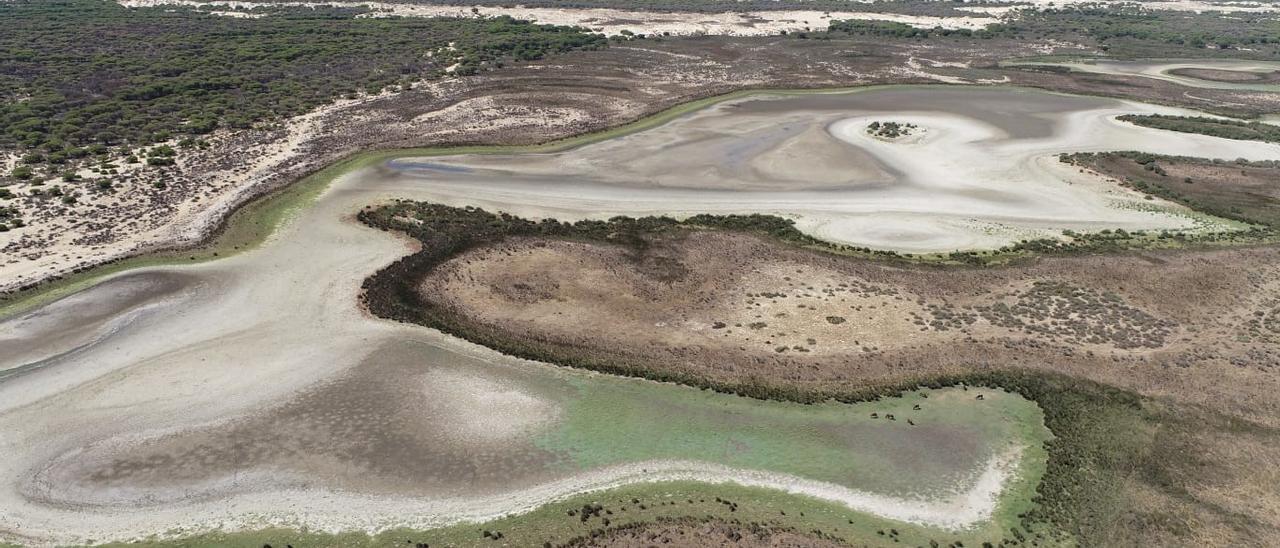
106	441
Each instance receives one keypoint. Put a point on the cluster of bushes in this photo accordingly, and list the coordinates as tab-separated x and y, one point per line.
10	217
890	130
83	73
1216	127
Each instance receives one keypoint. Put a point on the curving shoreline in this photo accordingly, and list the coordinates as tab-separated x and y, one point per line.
340	512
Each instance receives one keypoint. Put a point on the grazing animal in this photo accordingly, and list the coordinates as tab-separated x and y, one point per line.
979	396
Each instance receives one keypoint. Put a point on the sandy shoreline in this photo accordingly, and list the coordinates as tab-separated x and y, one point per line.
339	512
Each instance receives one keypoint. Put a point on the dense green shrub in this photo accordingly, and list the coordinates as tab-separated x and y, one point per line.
91	72
1216	127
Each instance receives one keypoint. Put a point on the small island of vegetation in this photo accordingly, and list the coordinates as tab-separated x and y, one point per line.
891	130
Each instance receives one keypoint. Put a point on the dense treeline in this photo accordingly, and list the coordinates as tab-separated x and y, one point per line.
1102	435
1216	127
1126	29
77	76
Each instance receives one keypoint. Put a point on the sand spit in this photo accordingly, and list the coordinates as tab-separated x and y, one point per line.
613	22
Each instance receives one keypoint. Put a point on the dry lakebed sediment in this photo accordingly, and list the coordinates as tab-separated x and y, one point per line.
254	391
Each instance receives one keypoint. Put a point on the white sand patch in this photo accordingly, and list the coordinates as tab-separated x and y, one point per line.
613	22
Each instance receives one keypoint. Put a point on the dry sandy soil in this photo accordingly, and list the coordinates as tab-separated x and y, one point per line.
612	22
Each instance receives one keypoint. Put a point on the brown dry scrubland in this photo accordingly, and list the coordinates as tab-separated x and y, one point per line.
1195	327
522	103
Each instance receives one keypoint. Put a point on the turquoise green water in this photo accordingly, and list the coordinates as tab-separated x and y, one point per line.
612	422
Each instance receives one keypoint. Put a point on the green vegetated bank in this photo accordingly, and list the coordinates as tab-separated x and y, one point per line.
81	76
1216	127
1112	448
1241	190
1127	30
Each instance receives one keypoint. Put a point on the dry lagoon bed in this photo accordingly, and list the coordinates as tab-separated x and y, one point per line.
980	172
253	390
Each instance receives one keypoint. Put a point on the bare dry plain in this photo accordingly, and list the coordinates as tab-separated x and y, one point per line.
253	391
